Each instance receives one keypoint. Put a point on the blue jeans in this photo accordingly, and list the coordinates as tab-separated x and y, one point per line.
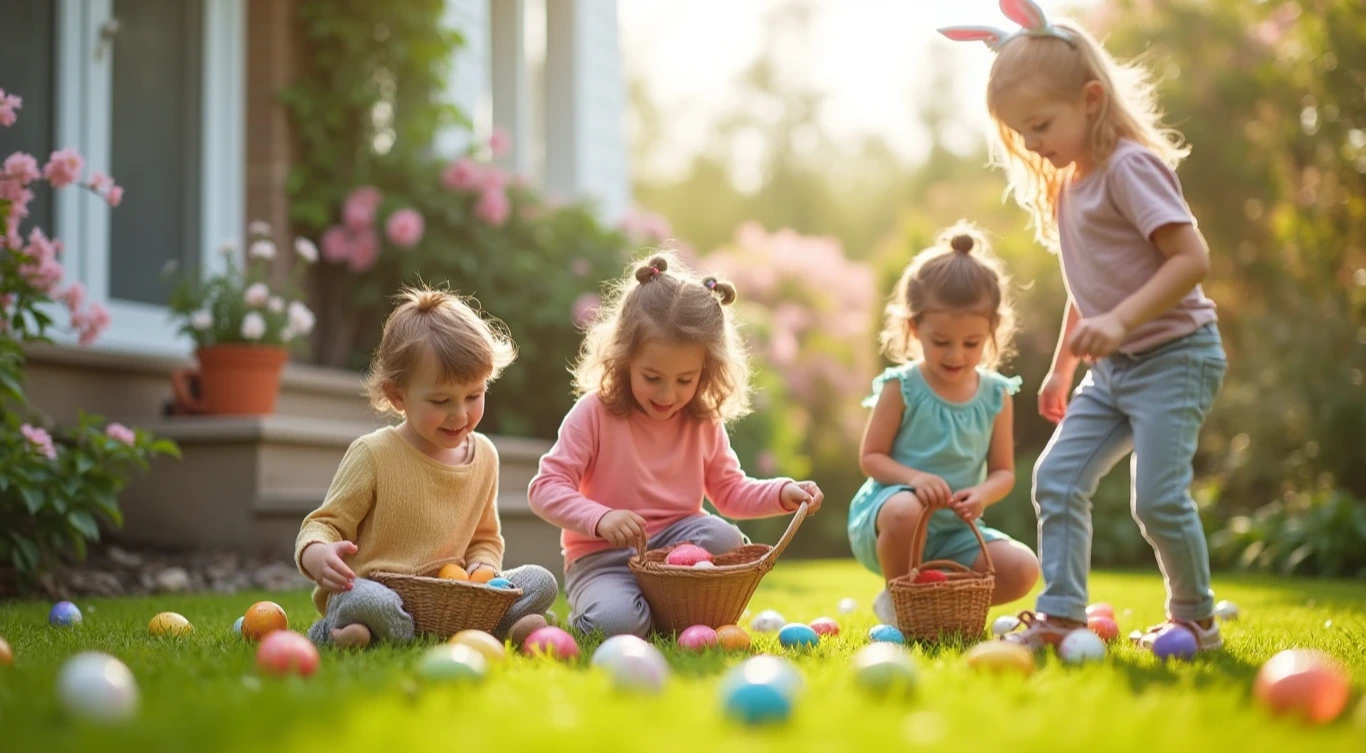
1151	404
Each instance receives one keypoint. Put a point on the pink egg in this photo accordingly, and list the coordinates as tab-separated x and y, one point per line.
284	652
1304	682
552	642
687	555
825	626
697	638
1101	608
1103	626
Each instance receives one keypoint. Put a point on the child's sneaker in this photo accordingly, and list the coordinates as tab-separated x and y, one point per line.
1040	630
884	609
1206	638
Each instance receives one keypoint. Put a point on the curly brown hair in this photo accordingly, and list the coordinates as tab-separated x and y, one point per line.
958	273
662	299
440	326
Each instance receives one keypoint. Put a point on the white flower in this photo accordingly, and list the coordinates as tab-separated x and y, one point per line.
276	304
229	248
256	295
263	250
305	248
253	326
301	320
202	320
259	228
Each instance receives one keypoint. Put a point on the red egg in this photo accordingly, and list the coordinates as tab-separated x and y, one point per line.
931	576
1103	626
284	652
1305	682
1101	608
825	626
687	555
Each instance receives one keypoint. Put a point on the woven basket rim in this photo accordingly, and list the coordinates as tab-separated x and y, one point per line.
646	562
482	588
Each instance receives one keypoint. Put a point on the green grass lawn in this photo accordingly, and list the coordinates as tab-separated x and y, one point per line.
203	694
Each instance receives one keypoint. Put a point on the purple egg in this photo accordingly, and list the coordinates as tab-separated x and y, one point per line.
1175	642
64	614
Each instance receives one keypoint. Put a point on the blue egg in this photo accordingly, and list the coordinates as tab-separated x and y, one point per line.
764	670
753	703
886	634
237	626
798	636
64	614
500	583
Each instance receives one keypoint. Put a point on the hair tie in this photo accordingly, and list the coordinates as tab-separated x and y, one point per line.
654	271
711	284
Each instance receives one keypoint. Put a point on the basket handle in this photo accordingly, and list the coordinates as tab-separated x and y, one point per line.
922	530
797	518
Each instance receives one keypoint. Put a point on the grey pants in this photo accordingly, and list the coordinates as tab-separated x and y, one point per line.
381	610
604	595
1151	404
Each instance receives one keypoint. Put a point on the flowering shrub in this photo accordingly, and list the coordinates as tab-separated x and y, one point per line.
239	305
53	489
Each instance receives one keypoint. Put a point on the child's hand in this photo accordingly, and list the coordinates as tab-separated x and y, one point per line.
1053	396
930	489
794	493
623	528
324	565
1097	337
968	504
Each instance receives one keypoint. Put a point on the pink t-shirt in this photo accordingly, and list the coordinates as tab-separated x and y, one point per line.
1105	224
658	469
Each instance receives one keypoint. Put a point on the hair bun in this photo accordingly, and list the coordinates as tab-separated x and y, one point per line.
656	265
724	291
962	243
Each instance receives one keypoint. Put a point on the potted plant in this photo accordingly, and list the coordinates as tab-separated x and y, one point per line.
242	328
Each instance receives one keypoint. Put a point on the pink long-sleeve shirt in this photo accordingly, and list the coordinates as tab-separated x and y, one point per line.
658	469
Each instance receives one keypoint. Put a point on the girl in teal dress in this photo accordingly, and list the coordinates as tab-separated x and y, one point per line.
939	441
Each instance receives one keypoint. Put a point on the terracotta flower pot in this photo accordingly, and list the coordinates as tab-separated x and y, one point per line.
232	380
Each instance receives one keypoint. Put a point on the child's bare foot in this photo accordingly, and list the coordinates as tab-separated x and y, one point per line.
354	635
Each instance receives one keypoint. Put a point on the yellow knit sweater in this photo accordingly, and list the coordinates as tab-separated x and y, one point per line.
406	512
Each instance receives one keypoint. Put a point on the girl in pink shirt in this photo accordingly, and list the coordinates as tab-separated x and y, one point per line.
663	368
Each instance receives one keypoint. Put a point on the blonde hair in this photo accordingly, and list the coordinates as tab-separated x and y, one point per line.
662	299
440	326
958	274
1128	110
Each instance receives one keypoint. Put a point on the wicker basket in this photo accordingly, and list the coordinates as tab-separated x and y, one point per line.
681	597
957	606
443	607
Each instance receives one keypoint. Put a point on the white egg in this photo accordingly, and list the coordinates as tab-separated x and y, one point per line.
1004	624
639	670
704	565
847	606
612	649
98	687
767	621
1081	646
1226	611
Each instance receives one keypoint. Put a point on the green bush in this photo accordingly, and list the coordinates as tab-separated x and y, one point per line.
1321	533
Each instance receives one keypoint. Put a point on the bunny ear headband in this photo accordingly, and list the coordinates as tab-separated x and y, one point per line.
1026	13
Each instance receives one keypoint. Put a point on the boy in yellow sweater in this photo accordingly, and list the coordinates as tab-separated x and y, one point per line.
412	498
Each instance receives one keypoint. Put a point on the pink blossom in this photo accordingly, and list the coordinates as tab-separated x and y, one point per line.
91	323
585	308
491	178
580	266
642	224
493	207
22	167
336	244
12	239
8	104
40	439
114	196
359	211
121	433
64	168
100	183
43	275
364	251
73	296
19	199
461	175
499	141
404	228
256	295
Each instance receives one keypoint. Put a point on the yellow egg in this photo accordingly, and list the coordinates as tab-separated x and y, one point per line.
170	623
732	638
490	647
1000	657
453	571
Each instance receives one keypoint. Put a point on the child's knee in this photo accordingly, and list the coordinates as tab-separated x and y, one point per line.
717	536
538	585
615	618
1017	570
898	515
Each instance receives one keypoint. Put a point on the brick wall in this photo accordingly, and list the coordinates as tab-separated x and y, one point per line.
272	52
